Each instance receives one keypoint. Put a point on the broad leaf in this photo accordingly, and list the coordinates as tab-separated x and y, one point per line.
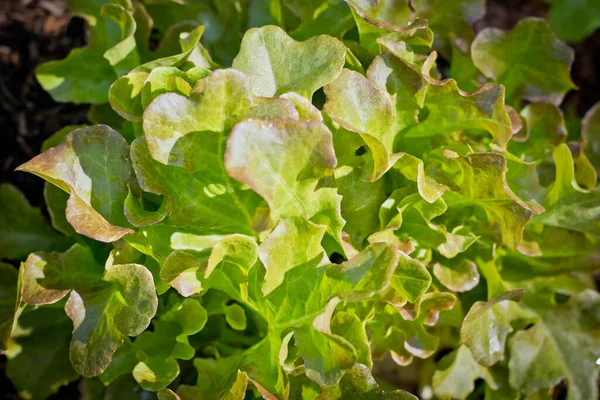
88	164
303	68
23	228
530	61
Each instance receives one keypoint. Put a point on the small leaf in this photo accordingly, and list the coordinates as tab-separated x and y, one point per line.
180	270
235	317
411	278
481	181
459	276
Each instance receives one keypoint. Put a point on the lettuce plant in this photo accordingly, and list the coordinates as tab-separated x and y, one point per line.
318	217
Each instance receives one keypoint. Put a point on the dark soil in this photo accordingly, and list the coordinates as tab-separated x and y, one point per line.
35	31
32	32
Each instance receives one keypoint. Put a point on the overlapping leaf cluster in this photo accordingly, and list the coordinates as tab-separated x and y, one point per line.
276	227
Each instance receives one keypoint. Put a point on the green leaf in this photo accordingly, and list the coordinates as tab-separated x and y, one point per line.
306	289
590	132
85	75
456	375
88	164
359	106
403	82
167	394
486	327
410	217
401	43
294	241
567	205
180	270
411	279
229	263
286	180
132	93
450	20
45	331
226	383
574	20
123	56
545	372
479	180
361	199
157	351
375	20
482	109
317	62
358	383
235	317
460	275
544	130
530	61
414	169
106	303
314	339
347	325
332	17
547	352
48	277
9	302
138	216
23	228
70	80
122	305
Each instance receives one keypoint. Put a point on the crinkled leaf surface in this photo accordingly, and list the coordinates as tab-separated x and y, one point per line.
309	217
482	109
481	181
530	61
